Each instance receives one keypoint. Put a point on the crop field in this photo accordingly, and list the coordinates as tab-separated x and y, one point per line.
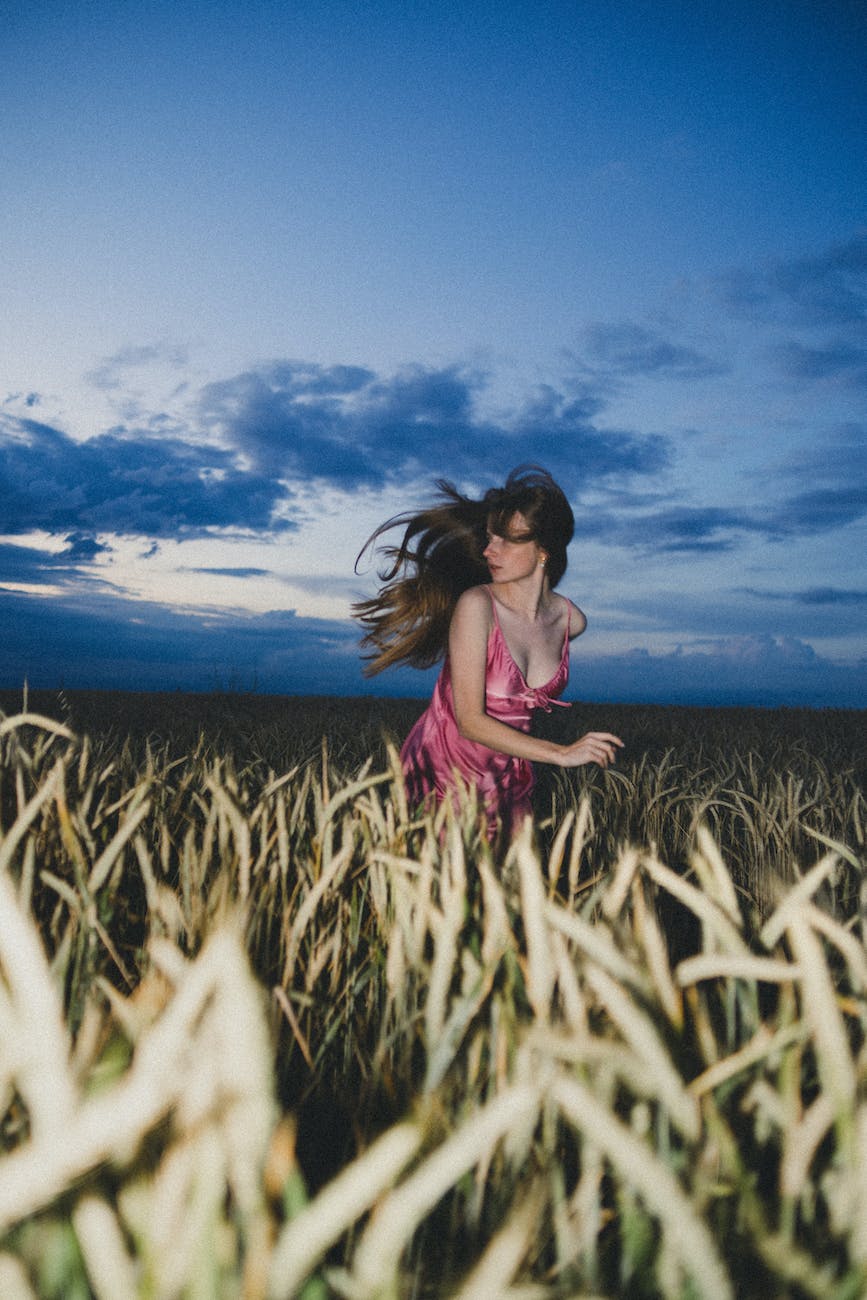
266	1031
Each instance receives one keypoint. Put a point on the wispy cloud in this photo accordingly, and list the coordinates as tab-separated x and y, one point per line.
812	595
669	529
838	500
823	486
27	401
633	350
820	510
829	289
114	372
836	360
227	572
745	612
819	488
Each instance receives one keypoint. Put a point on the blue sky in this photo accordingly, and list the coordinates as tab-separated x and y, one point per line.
269	270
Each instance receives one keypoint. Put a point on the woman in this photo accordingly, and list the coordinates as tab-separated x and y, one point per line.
474	581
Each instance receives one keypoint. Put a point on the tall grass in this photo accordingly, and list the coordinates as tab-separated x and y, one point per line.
267	1032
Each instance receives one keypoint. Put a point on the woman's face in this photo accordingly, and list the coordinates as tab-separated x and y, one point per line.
512	555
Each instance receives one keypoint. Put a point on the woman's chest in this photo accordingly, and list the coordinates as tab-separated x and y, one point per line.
536	654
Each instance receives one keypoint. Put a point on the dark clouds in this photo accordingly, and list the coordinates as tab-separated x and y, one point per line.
115	643
37	566
254	439
112	643
254	436
349	428
249	441
126	482
240	456
758	670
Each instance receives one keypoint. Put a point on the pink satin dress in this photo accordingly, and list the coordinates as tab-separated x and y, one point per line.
437	759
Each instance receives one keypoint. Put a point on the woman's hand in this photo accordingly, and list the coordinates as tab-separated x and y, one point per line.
595	747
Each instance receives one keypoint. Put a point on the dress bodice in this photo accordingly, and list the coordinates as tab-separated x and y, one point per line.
437	758
507	695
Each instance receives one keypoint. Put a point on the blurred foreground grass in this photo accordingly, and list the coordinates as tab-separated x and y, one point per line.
266	1032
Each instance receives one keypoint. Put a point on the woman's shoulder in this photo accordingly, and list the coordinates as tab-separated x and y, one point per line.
476	598
474	608
577	618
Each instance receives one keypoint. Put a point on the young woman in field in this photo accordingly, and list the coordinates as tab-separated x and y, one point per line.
473	582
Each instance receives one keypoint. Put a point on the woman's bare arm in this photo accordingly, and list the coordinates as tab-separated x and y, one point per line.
468	645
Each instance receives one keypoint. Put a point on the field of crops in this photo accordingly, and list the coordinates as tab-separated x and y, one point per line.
265	1031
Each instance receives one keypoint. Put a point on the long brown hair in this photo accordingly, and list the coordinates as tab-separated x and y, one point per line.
440	557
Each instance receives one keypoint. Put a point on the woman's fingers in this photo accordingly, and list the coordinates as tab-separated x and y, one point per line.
603	746
596	747
607	737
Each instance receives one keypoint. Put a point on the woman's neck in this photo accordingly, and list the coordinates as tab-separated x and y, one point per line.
528	597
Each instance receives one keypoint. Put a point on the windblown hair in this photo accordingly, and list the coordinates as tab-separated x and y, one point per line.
440	557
